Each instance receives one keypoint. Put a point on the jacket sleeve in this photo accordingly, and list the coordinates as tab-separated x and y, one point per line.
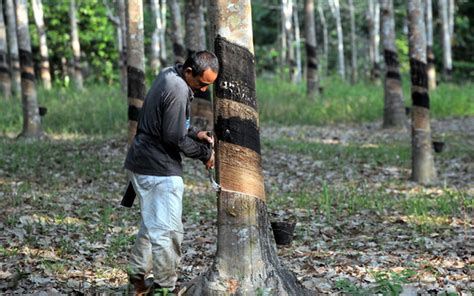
175	133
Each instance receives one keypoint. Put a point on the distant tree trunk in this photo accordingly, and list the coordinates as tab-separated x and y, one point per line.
340	39
119	21
163	52
290	37
312	79
43	46
325	38
135	65
353	43
394	109
13	46
245	262
374	32
296	23
451	10
5	80
31	117
447	59
284	49
429	46
155	45
176	31
76	46
423	169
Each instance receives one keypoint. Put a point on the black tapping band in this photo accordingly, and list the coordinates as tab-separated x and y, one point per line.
311	54
391	58
133	112
238	131
394	75
421	99
418	73
136	83
26	58
28	76
236	79
430	55
4	70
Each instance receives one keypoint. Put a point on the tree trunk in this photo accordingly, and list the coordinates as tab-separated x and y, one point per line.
135	65
163	52
43	45
283	49
353	43
122	15
177	32
374	32
451	8
155	46
296	24
429	46
5	80
31	117
423	169
246	262
394	110
13	46
312	79
76	46
340	39
325	38
446	38
290	37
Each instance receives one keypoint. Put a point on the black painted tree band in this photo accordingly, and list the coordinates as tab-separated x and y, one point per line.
236	79
418	73
26	58
133	112
391	58
136	83
421	99
311	54
238	131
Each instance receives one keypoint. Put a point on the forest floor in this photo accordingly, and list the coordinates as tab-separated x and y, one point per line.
362	226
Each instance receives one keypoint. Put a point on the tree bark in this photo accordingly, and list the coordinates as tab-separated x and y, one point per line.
13	46
374	32
325	38
296	24
43	45
312	77
429	46
394	110
353	43
246	261
446	39
5	80
155	46
119	20
76	47
163	51
340	39
31	118
423	169
287	10
177	32
135	65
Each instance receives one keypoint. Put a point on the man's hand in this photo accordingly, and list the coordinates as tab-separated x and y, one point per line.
205	136
210	162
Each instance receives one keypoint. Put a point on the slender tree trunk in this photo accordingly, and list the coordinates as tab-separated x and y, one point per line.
31	117
246	262
296	23
394	111
163	52
43	46
325	38
451	9
423	169
284	49
122	16
340	39
135	65
446	38
13	46
312	79
353	43
290	37
429	46
177	32
155	45
5	80
374	31
76	46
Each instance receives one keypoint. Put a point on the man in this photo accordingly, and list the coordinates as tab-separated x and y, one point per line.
154	167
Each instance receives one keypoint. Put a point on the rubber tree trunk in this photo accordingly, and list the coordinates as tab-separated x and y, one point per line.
31	117
394	108
423	169
284	48
155	46
246	262
451	9
5	80
287	10
312	77
177	32
353	43
122	15
76	47
325	38
135	65
429	46
340	40
374	33
43	45
13	46
446	39
163	51
296	25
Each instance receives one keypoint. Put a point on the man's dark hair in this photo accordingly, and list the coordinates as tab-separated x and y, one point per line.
201	61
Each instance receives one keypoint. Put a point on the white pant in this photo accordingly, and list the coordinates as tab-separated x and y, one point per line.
158	242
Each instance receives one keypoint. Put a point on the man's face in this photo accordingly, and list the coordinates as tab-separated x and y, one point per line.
199	82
